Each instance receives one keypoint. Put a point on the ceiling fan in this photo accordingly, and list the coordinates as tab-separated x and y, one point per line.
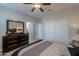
38	5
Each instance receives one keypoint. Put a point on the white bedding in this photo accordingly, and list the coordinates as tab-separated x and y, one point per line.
54	49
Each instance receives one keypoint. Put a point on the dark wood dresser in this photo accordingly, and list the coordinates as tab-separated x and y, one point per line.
14	41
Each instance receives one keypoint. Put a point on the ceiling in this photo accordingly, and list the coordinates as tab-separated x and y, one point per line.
26	9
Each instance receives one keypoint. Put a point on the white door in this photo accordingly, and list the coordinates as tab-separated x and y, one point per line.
30	28
61	31
40	31
49	30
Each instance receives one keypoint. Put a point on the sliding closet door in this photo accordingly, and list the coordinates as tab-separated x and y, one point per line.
40	32
56	31
61	31
49	30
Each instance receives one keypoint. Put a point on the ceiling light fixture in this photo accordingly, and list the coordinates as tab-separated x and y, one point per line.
37	6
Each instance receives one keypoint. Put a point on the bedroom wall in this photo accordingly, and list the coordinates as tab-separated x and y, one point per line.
72	15
61	27
6	13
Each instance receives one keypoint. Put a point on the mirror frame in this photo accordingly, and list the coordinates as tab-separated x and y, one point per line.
7	27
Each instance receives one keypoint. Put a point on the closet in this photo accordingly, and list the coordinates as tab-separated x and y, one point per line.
61	31
55	30
49	30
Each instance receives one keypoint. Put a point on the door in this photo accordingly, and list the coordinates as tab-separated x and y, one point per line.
61	31
30	29
40	32
49	30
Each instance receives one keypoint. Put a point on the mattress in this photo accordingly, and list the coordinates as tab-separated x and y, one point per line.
45	48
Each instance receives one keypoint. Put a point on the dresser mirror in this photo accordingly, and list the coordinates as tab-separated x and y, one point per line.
15	26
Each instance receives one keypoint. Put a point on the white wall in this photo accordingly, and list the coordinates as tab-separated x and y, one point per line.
5	14
61	27
72	15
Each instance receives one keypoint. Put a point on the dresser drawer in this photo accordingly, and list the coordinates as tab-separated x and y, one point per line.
12	42
12	39
12	47
22	43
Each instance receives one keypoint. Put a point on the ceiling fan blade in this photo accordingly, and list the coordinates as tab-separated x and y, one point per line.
45	3
33	9
41	9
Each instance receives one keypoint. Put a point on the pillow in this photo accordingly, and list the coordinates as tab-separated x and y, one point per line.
70	46
76	44
73	45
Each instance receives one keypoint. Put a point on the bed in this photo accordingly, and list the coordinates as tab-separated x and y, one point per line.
45	48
